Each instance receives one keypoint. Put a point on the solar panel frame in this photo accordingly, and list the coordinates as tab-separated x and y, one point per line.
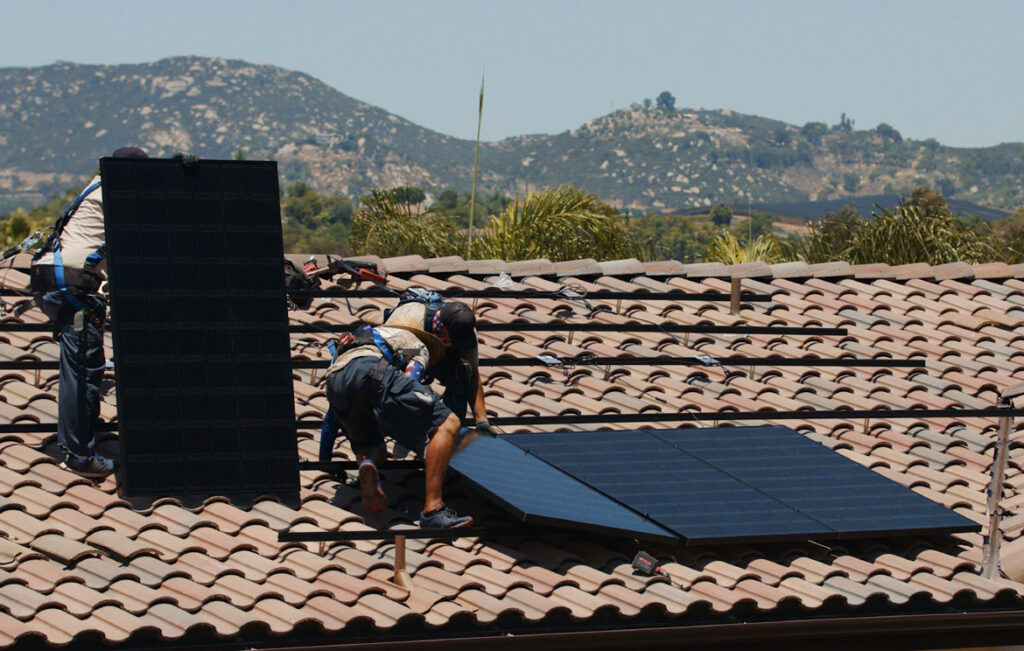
735	498
200	329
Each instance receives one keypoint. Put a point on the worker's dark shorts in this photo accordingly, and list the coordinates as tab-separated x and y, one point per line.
406	410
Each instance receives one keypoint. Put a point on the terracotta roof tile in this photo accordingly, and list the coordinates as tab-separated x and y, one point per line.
168	571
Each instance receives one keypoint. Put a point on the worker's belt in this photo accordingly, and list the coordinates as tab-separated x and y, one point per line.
44	279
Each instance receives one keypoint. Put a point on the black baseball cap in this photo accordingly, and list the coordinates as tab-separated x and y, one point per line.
460	322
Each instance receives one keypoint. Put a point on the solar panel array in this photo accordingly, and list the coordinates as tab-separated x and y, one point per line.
200	328
738	484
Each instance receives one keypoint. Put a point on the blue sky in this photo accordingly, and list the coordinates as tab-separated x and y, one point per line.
932	69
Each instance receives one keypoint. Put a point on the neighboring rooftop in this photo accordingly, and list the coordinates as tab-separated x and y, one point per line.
78	566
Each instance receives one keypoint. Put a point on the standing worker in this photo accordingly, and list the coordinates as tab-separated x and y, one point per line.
454	323
370	396
66	276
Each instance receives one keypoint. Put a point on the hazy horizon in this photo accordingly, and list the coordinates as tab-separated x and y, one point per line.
937	69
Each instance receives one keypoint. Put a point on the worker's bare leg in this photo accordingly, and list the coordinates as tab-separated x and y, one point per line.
439	452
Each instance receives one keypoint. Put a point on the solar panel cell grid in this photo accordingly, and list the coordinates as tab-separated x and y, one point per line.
200	328
740	484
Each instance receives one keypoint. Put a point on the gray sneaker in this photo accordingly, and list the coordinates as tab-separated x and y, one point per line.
95	466
444	517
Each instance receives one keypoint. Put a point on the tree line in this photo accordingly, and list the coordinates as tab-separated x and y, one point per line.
566	223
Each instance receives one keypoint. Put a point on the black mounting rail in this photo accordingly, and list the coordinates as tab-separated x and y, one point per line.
557	362
558	326
697	361
541	294
482	326
682	417
687	416
505	531
647	417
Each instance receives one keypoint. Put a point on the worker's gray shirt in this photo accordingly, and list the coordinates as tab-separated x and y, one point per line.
83	235
399	340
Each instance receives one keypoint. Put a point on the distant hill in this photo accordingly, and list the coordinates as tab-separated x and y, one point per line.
56	120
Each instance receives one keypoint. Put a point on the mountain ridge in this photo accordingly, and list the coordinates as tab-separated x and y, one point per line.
56	120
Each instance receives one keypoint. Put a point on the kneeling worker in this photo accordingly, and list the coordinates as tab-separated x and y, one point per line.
454	323
370	396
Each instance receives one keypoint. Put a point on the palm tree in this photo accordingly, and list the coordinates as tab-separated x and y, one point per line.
910	234
563	223
387	225
727	249
920	229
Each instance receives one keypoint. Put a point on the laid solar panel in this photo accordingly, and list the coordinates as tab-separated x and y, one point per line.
200	328
538	493
741	484
851	500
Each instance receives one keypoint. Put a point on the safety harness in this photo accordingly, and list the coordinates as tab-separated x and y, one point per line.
366	397
432	315
69	282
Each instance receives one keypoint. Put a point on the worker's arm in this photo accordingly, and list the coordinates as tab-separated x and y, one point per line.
476	394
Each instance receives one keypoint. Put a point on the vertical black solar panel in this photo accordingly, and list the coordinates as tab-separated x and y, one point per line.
741	484
200	328
538	493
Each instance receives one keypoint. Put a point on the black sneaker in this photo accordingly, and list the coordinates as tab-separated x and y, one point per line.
444	517
94	466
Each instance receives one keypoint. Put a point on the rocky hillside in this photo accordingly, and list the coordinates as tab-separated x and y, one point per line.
56	120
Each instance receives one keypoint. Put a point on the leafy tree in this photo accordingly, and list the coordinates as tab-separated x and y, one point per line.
456	206
675	237
721	215
947	186
409	194
726	248
888	132
851	182
813	131
304	206
17	225
239	154
563	223
666	102
1008	236
845	124
647	104
314	223
14	229
829	239
781	137
447	200
758	223
386	226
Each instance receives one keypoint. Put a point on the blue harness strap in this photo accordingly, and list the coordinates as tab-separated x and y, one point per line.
383	346
58	276
58	260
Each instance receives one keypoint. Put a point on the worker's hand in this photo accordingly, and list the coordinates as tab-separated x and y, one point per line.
485	428
188	160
